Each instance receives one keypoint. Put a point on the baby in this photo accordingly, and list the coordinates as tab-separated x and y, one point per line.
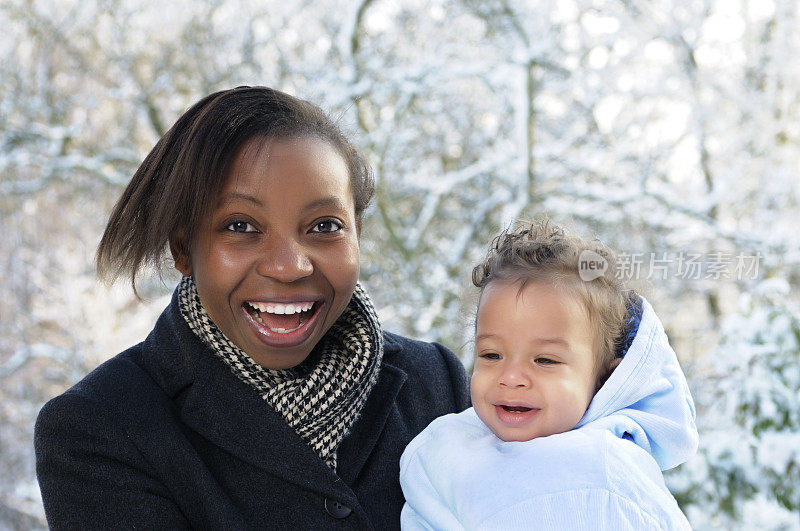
578	402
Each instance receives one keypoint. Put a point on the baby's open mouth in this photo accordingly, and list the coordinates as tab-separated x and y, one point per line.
516	409
281	318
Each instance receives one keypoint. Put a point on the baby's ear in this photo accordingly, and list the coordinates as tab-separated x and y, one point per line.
604	375
180	253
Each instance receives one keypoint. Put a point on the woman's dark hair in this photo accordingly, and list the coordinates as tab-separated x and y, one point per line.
177	184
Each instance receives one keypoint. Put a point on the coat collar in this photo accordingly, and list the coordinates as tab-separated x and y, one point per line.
363	437
215	403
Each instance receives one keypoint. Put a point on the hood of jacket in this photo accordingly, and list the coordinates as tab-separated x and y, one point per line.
646	399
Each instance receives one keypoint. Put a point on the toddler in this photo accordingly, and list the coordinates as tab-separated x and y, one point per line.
578	402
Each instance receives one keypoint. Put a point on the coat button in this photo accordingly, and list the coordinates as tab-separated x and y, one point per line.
336	509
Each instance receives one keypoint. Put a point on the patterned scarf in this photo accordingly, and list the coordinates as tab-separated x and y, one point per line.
322	397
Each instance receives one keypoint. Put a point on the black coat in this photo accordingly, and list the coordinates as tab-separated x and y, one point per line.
164	435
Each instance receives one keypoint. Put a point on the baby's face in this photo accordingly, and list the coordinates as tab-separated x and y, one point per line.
534	369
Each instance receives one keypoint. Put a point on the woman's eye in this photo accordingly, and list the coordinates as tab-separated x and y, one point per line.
240	226
326	226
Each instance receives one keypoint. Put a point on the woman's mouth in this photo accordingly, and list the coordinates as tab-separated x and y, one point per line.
282	324
279	317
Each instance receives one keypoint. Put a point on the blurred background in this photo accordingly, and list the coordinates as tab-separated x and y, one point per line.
670	129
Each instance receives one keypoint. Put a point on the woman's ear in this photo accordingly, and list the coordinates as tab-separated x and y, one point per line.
180	253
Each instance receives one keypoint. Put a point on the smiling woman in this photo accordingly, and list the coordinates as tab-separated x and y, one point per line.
267	395
283	236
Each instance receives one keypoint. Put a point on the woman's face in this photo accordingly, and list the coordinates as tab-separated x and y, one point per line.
277	261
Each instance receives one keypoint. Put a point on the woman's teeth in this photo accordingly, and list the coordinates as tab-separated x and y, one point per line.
278	330
281	309
291	314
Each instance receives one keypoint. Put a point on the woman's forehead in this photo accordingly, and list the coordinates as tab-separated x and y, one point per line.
258	153
299	170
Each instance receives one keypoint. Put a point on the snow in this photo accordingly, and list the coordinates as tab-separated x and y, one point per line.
661	127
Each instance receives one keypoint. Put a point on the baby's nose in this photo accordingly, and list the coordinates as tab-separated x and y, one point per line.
514	375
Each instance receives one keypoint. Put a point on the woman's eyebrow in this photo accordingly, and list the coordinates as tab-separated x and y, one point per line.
230	197
325	202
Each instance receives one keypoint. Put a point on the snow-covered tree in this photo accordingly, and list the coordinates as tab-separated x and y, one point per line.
747	472
663	126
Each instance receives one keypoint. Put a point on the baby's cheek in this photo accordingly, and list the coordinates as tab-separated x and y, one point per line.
477	393
574	403
474	384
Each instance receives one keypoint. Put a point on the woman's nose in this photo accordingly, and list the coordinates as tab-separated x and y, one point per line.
284	259
514	375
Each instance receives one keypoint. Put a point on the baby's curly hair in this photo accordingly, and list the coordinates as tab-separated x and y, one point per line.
543	251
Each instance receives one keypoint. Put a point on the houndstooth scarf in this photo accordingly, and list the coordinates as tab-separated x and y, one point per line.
322	397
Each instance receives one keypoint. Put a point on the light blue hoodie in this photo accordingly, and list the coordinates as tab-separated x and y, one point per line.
603	474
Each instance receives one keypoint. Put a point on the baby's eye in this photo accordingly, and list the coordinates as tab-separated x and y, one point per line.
240	226
326	225
491	356
546	361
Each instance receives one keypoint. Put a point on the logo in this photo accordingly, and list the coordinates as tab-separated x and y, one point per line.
591	265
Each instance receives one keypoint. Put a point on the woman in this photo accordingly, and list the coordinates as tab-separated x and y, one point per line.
267	394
